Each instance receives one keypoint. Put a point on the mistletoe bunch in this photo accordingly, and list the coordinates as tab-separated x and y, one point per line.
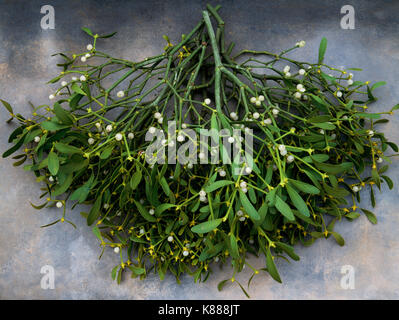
315	147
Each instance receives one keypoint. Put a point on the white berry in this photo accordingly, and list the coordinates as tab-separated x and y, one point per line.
267	121
152	130
297	95
157	115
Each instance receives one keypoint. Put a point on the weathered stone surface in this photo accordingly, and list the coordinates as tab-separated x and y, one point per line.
25	66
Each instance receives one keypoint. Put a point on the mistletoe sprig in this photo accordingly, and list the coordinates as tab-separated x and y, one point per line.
316	147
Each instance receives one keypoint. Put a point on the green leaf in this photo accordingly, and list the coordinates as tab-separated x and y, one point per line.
165	186
377	85
74	100
64	116
338	238
75	87
82	192
335	192
15	147
105	154
56	79
163	207
15	134
136	270
109	35
97	233
395	107
318	119
319	103
143	211
86	89
63	187
368	115
298	202
221	284
243	290
39	206
288	250
53	163
52	126
317	157
371	216
334	168
284	209
50	224
119	277
94	212
66	148
322	49
234	248
271	267
135	180
218	184
388	181
114	272
325	125
352	215
249	208
206	226
88	31
7	106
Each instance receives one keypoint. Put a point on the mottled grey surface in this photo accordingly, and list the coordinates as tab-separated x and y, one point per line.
25	66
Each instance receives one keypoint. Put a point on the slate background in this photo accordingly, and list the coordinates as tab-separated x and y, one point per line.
25	66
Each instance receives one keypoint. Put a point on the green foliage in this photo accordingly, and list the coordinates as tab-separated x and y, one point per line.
155	213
